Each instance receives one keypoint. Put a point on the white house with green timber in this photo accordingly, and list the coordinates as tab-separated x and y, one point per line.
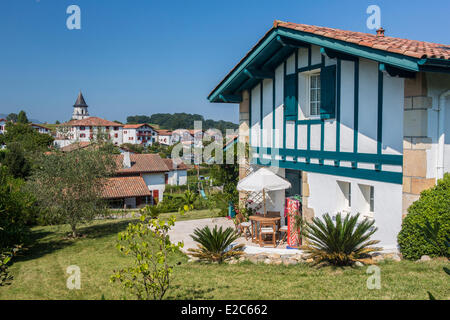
358	123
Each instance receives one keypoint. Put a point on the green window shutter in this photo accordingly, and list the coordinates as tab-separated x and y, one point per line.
290	96
328	92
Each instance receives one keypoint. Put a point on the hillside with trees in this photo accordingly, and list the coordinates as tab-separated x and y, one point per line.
181	120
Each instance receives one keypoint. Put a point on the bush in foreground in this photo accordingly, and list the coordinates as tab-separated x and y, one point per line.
433	207
149	276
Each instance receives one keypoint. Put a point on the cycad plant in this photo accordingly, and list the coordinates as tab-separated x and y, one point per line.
215	245
341	243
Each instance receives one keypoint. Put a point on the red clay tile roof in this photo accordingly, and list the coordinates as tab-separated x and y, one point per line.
37	125
75	146
94	122
125	187
142	163
136	126
163	132
172	165
410	48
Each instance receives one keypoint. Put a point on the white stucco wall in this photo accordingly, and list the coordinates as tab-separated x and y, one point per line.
155	181
438	84
325	197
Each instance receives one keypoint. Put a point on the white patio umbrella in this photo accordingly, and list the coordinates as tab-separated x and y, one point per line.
263	180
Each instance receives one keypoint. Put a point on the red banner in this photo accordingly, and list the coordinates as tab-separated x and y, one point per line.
293	208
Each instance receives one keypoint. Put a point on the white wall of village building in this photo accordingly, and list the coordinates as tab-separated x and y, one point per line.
155	181
438	86
2	126
177	177
323	195
83	133
132	135
165	139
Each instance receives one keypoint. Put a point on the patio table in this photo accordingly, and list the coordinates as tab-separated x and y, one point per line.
256	224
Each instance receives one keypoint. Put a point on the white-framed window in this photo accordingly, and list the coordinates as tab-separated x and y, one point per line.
314	94
346	196
367	205
372	199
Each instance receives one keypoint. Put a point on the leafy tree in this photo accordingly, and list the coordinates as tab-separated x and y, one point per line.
16	210
27	137
69	186
138	119
227	175
135	148
147	241
18	166
12	117
214	246
181	121
22	117
57	122
342	243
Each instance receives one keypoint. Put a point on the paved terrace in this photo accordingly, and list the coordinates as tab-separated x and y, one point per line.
183	229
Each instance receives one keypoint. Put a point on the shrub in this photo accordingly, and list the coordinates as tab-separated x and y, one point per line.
170	203
5	258
433	206
341	243
147	241
215	245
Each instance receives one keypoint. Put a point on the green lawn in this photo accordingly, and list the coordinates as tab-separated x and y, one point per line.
40	273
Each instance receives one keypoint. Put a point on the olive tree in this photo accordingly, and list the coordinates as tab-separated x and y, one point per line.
68	187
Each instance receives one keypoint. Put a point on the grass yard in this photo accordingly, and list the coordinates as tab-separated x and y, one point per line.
40	273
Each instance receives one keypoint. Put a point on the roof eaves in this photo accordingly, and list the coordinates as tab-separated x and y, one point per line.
391	58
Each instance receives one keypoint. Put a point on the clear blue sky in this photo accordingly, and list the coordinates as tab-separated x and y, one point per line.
144	57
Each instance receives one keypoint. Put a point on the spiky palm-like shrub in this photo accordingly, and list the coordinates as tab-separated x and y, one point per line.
341	243
215	245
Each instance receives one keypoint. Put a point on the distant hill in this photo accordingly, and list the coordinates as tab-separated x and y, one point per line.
4	115
181	121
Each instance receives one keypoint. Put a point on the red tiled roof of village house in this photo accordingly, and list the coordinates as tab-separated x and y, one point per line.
164	132
38	125
75	146
142	163
2	119
410	48
93	122
173	165
136	126
125	187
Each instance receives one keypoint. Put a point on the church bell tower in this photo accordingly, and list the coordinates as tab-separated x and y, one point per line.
80	108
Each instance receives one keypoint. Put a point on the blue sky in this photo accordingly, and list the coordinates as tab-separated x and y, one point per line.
144	57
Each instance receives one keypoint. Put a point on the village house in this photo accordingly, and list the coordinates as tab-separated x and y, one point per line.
356	122
164	137
2	125
92	128
177	175
139	134
138	170
41	129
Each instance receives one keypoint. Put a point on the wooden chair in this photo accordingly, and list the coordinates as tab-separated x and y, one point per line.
284	230
242	225
265	229
275	214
